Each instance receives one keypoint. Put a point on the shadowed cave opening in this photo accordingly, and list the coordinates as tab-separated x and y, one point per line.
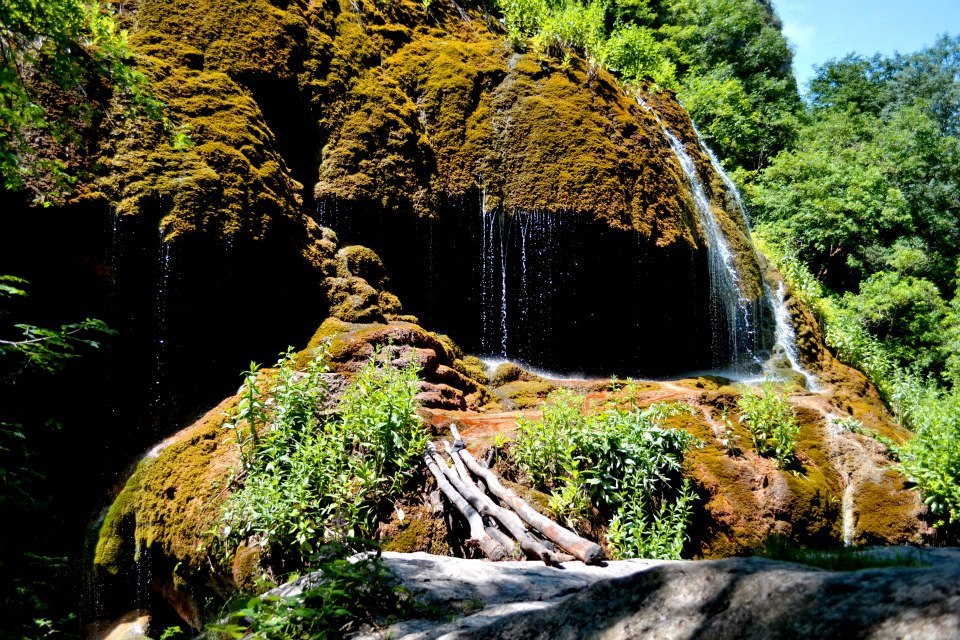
555	291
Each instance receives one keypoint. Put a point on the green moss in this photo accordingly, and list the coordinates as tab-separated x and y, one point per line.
526	394
363	263
886	511
472	367
172	503
421	530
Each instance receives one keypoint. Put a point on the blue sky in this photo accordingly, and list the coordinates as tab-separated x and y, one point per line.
824	29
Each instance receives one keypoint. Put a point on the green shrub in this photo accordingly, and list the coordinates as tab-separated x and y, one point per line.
772	423
543	449
310	480
619	464
350	595
932	457
632	534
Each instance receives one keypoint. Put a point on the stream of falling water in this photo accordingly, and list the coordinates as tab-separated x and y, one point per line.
785	337
729	308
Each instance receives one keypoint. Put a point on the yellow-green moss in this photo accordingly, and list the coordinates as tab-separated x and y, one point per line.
421	530
526	394
172	502
886	512
472	367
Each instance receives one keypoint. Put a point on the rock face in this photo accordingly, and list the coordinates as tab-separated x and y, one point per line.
518	202
734	598
449	380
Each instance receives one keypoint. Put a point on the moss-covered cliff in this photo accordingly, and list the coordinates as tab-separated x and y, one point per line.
403	128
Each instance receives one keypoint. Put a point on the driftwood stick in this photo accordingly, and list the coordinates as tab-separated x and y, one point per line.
505	541
531	547
490	547
582	549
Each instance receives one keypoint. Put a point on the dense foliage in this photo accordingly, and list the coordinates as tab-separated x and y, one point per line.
771	421
311	475
52	56
727	59
863	217
620	462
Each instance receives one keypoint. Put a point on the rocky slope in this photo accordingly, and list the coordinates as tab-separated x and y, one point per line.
844	490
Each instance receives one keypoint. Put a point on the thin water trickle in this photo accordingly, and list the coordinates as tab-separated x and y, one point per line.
849	523
487	260
727	181
116	243
143	576
161	308
504	244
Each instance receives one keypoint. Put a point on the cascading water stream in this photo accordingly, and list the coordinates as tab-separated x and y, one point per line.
729	308
784	335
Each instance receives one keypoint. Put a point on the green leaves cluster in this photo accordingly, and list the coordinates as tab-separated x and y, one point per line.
727	59
347	595
44	349
771	421
55	45
621	463
314	475
932	457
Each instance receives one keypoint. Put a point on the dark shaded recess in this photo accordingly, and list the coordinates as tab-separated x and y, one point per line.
591	300
288	116
184	337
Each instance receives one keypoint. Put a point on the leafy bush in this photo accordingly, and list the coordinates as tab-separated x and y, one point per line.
350	594
619	463
771	420
932	457
310	479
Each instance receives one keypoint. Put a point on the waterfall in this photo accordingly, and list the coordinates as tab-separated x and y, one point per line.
785	335
729	308
744	316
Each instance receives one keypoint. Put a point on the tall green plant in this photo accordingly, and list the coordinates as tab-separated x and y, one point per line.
772	423
313	478
620	463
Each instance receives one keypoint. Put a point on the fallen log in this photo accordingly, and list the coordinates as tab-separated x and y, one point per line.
581	548
478	534
531	547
